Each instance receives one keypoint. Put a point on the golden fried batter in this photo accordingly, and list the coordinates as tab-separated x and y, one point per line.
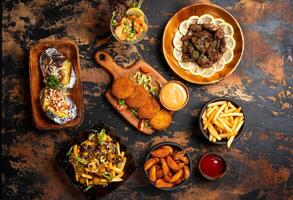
162	120
138	98
122	88
150	109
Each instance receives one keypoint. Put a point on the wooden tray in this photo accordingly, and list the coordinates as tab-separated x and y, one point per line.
201	9
69	50
106	61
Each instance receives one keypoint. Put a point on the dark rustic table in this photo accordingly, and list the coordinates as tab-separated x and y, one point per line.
259	164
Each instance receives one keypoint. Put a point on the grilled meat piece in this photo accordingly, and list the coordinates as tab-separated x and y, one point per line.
219	34
203	44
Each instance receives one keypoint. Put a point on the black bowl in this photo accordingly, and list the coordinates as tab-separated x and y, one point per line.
96	192
178	147
205	175
204	132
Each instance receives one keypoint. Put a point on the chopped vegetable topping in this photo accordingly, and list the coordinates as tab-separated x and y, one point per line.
134	112
147	124
92	136
68	153
108	176
81	160
101	136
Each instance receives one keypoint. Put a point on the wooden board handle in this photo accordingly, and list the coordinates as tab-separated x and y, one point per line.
104	59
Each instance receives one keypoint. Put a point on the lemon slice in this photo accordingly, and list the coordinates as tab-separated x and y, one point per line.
220	64
228	55
205	19
230	42
183	27
217	21
195	69
184	65
208	72
177	41
177	54
178	34
134	11
227	28
192	20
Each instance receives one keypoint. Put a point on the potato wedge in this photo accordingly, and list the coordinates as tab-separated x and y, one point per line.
165	167
186	172
178	181
150	162
171	163
168	177
177	176
180	166
159	173
161	183
161	152
179	154
153	173
169	147
184	159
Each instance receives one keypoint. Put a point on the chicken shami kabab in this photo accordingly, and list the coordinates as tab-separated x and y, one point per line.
122	88
138	98
150	109
162	120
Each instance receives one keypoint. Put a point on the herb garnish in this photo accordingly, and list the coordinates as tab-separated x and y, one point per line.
53	82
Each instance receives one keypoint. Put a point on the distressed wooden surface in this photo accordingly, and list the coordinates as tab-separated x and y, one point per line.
259	164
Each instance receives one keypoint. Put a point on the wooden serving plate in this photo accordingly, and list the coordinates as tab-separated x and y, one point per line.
201	9
104	59
70	51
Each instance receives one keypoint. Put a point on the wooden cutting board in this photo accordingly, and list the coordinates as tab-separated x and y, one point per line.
104	59
70	51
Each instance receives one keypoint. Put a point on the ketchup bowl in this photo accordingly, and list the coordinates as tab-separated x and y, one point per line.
212	166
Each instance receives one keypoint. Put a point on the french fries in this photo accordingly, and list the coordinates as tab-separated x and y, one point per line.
222	120
167	167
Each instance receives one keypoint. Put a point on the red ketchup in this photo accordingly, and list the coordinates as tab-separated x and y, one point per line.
212	166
